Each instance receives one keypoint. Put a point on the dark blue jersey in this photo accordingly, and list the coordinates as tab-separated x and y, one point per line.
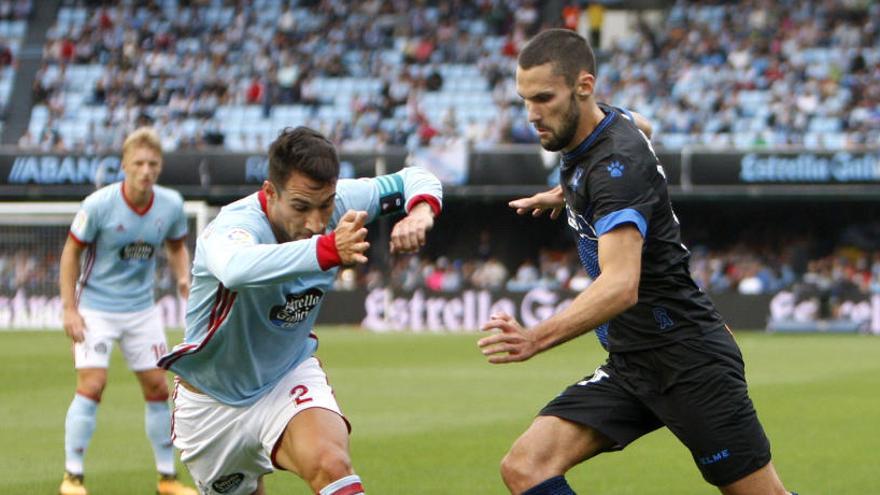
613	178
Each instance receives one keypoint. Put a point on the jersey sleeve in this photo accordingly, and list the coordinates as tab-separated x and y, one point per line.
234	255
179	228
387	194
620	193
84	227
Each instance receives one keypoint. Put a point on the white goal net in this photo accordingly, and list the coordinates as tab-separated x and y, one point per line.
32	235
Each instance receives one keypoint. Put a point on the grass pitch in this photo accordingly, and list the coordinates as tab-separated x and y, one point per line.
431	417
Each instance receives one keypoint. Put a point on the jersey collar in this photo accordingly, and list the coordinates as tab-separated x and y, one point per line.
582	148
142	211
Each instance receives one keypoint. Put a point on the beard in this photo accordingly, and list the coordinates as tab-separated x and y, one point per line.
563	137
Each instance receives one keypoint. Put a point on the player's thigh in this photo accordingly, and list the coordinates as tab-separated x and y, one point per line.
312	438
219	444
97	345
303	422
553	445
604	403
708	408
143	339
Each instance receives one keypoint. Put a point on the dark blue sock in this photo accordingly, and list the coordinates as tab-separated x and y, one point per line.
552	486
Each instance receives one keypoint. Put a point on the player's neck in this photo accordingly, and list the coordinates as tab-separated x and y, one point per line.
137	198
590	119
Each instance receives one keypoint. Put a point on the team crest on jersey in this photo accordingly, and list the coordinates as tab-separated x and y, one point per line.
296	309
575	178
137	251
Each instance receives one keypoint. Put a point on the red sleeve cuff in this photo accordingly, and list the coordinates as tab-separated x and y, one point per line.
328	256
427	198
77	239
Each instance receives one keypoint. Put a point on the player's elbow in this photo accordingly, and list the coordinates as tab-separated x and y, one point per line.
627	293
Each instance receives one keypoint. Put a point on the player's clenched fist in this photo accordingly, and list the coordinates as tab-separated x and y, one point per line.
351	237
409	234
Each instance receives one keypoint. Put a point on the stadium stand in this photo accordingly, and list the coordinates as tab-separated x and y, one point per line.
220	73
13	24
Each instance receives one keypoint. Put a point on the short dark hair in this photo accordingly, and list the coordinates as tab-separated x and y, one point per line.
305	151
569	52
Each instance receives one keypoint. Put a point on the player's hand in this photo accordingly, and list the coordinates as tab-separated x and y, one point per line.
351	237
513	343
74	325
552	200
183	288
409	234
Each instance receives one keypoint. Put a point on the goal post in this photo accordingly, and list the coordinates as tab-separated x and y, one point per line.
32	235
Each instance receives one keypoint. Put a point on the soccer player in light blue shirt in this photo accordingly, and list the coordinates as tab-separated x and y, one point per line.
109	299
250	396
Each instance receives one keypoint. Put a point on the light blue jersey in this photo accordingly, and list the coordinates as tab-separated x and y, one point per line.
119	270
253	302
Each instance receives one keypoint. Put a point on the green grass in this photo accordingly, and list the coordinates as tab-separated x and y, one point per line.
431	417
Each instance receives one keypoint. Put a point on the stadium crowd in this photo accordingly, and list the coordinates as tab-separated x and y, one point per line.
372	73
746	269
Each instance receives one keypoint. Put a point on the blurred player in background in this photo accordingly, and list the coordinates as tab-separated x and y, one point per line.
672	361
251	397
120	227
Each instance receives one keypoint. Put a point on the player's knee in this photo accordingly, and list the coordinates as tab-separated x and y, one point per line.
331	464
92	388
155	391
517	472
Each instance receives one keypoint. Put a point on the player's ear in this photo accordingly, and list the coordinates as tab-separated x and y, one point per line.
585	84
269	190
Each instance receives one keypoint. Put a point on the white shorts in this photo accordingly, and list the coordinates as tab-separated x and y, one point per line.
227	449
140	335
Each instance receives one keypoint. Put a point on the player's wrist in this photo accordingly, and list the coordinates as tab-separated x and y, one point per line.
328	252
424	203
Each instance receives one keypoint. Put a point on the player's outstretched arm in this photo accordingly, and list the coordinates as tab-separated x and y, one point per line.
410	233
74	325
552	200
615	290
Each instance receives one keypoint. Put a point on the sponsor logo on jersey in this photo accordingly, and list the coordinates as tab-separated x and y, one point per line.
296	309
227	483
580	225
139	250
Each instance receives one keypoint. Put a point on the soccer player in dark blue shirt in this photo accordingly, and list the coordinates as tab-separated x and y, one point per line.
672	360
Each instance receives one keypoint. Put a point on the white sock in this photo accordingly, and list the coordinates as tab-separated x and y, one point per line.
157	421
78	428
350	485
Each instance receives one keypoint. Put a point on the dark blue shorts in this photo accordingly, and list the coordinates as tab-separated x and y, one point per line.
695	387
